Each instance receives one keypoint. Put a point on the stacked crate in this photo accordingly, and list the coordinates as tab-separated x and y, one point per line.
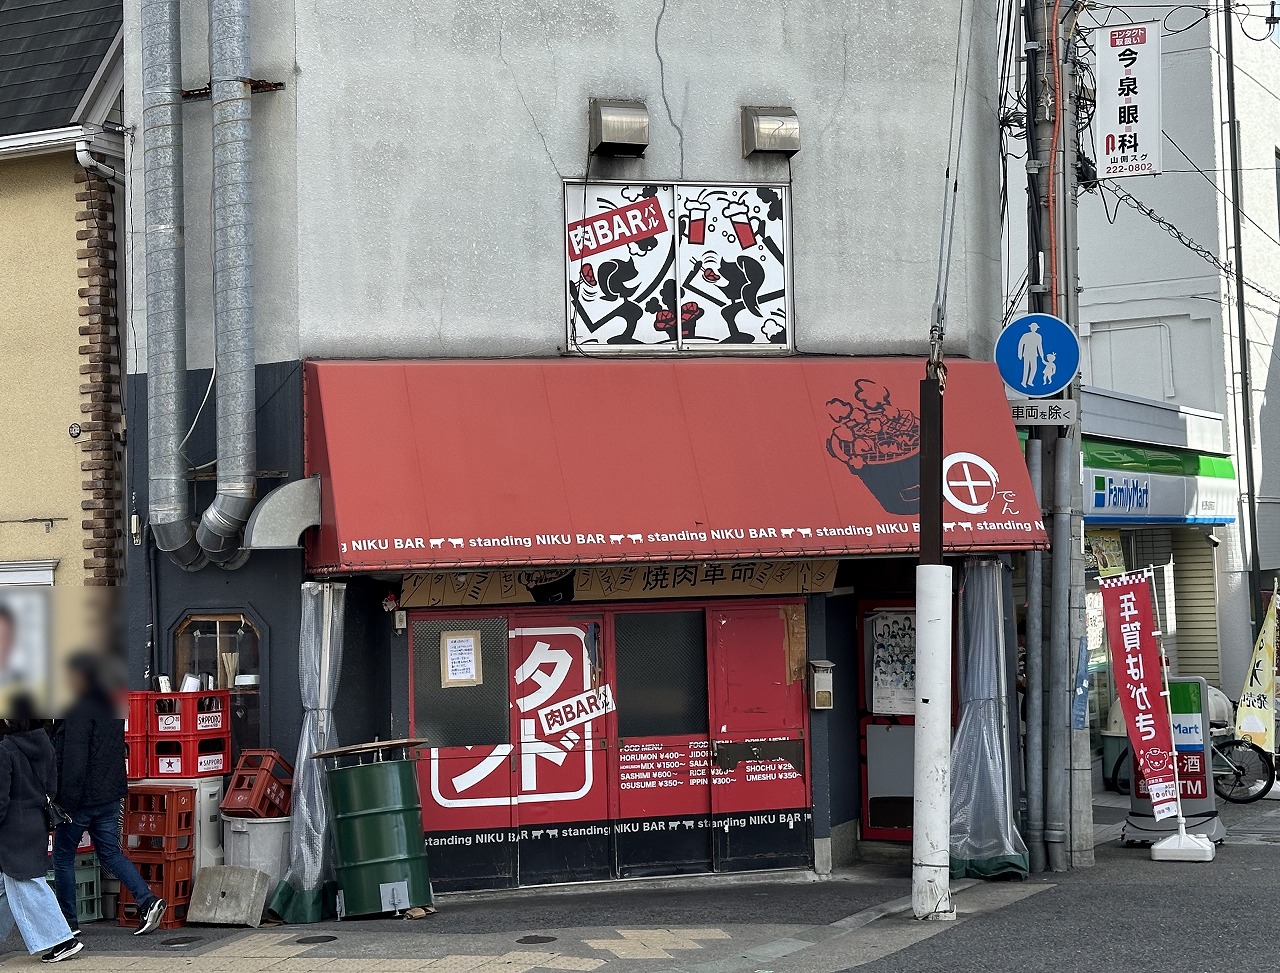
189	734
261	787
88	887
136	735
159	833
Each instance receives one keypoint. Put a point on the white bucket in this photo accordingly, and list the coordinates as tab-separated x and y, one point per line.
261	843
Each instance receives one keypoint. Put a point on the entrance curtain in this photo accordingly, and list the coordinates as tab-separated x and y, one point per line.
984	841
307	891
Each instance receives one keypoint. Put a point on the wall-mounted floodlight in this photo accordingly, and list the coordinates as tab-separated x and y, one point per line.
770	130
619	127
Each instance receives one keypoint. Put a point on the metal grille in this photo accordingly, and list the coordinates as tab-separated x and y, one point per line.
662	673
461	716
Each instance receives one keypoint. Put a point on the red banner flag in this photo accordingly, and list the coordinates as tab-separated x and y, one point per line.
1135	659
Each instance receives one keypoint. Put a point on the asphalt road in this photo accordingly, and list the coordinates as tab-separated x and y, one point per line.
1127	913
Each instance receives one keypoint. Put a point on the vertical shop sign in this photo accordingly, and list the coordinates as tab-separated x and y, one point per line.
1127	133
1135	656
1255	717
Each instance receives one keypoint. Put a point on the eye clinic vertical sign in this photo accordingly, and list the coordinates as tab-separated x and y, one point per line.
1135	659
1127	133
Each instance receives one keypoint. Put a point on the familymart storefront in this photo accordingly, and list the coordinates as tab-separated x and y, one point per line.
1158	507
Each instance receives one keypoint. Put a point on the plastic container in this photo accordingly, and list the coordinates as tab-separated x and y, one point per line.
377	837
88	888
261	843
160	809
261	787
186	756
177	714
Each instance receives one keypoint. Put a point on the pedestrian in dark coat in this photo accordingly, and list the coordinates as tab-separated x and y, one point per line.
28	775
91	787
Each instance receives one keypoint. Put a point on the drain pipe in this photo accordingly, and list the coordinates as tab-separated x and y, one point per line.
1034	693
222	525
1058	744
167	508
90	164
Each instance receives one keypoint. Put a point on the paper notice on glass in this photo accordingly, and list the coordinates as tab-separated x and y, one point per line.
460	659
893	663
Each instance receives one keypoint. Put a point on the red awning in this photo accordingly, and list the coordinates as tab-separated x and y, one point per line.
457	464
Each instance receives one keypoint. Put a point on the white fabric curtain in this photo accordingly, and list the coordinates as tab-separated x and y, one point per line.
984	841
319	664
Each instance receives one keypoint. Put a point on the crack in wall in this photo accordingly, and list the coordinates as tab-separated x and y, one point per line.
662	82
525	104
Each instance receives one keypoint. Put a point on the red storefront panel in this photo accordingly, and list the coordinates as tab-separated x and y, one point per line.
434	465
569	799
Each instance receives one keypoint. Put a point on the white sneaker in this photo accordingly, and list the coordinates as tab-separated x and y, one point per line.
62	951
151	918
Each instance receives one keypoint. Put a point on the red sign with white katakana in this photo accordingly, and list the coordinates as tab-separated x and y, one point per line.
1135	659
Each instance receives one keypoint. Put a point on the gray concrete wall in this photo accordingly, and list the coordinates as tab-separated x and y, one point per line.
409	195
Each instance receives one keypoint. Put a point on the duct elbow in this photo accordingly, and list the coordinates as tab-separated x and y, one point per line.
222	527
178	540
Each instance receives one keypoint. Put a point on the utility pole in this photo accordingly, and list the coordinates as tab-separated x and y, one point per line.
1038	139
931	828
1051	139
1246	370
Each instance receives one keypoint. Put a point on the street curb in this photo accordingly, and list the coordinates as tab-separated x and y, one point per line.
869	915
788	876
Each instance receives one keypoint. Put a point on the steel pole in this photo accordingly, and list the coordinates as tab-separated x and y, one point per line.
1242	332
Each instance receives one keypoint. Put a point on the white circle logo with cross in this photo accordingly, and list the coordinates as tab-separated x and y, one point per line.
969	482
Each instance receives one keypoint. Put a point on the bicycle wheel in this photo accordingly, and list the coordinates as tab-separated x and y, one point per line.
1242	771
1121	773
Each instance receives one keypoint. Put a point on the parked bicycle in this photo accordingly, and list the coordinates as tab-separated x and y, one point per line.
1242	771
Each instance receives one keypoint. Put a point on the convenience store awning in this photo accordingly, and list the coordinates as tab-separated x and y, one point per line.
458	464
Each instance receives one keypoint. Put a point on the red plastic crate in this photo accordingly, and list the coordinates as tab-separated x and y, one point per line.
167	875
183	844
186	714
129	915
135	723
189	756
261	787
136	755
152	809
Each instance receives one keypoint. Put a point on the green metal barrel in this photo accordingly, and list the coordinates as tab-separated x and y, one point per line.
381	858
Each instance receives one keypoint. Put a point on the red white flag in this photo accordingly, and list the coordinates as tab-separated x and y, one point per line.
1135	658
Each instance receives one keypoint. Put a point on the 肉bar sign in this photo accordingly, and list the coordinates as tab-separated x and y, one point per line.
1135	658
676	266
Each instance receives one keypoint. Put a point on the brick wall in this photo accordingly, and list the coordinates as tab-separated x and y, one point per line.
101	426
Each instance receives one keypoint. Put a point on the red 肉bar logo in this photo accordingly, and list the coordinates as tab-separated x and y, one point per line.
1127	36
616	228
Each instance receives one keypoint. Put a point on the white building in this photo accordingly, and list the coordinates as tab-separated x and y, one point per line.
1160	348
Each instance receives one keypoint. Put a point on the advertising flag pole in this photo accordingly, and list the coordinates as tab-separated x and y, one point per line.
1180	847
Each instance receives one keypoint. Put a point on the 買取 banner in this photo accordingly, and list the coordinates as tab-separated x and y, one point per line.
1135	659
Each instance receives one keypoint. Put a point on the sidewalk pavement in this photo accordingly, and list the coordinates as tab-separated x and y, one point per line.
772	923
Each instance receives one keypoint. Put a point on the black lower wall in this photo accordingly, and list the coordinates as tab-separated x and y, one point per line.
266	588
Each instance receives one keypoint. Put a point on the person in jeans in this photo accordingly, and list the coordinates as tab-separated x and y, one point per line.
91	788
27	777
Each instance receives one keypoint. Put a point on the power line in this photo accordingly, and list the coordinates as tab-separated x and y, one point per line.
1134	203
1219	190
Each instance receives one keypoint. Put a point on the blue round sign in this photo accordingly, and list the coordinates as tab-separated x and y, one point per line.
1038	355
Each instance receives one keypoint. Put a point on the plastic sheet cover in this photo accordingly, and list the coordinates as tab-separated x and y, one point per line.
307	891
984	841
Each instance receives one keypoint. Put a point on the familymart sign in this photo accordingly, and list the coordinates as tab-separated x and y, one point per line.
1124	496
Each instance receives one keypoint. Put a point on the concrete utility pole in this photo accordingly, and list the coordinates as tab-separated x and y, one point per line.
1052	137
931	806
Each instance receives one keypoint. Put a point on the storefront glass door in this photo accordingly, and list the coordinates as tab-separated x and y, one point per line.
561	720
